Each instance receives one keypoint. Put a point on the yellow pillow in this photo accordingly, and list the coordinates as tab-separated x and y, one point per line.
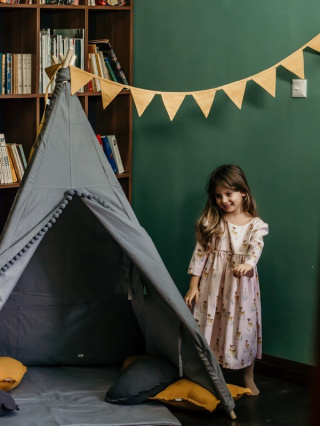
188	395
11	373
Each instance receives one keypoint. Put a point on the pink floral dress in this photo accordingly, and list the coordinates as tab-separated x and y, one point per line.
229	311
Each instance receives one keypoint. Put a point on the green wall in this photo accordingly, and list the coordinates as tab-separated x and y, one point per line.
182	45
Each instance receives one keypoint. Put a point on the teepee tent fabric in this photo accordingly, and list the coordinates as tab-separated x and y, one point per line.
81	282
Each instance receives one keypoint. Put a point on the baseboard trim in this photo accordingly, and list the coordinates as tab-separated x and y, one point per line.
291	371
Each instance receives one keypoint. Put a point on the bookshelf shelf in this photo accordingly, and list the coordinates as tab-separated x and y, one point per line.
20	26
10	185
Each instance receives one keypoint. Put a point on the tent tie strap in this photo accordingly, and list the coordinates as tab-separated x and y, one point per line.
70	194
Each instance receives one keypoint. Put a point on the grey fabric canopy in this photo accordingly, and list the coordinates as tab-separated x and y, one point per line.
81	282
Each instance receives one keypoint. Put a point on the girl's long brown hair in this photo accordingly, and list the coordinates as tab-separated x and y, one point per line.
229	176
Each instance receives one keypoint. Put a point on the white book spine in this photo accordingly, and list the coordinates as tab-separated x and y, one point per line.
6	165
40	64
116	152
95	72
29	73
2	179
24	74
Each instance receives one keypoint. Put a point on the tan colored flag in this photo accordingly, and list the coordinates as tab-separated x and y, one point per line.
109	90
315	43
295	63
204	99
142	98
50	71
172	102
79	78
235	91
267	80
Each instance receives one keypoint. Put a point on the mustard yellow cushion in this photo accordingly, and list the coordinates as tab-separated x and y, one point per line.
11	373
188	395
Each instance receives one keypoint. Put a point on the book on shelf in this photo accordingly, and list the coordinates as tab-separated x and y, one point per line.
12	161
109	3
116	72
16	160
15	1
5	163
15	73
22	156
56	42
110	147
60	2
97	66
13	172
116	153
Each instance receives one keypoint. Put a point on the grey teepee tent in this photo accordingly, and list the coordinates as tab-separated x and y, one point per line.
81	282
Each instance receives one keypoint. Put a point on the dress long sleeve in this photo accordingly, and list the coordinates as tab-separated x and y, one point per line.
256	243
198	261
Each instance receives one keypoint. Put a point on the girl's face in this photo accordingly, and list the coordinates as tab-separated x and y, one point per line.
228	200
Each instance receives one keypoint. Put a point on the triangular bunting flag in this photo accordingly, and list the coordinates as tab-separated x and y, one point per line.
50	71
235	92
79	78
172	102
315	43
142	98
267	80
109	90
204	99
295	63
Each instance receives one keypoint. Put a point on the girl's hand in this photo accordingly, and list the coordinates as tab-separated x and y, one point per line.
193	293
243	269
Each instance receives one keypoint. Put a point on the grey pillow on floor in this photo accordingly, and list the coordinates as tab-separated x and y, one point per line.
7	404
142	380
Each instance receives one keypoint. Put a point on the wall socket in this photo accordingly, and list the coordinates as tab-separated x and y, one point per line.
299	88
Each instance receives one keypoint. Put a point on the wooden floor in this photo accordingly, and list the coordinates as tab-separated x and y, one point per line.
280	403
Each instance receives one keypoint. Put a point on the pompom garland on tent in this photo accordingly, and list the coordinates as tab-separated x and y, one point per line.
204	98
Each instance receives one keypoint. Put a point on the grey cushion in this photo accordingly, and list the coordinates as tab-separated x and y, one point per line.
142	380
7	404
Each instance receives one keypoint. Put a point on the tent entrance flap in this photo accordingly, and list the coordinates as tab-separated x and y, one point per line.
65	308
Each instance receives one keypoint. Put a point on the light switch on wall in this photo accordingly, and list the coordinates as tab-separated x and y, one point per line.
299	88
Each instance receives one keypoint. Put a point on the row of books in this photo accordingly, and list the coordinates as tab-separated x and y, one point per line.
15	73
74	2
67	2
110	147
106	2
56	42
104	62
15	1
12	161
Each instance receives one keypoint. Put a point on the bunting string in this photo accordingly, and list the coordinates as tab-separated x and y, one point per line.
204	98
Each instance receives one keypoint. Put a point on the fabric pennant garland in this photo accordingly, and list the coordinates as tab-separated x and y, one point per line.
204	99
267	80
315	43
109	90
295	63
142	98
235	92
50	71
172	102
79	78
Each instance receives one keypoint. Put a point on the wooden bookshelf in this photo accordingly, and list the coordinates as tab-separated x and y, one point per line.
20	26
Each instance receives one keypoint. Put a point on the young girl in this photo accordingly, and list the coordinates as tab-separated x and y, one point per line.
224	282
